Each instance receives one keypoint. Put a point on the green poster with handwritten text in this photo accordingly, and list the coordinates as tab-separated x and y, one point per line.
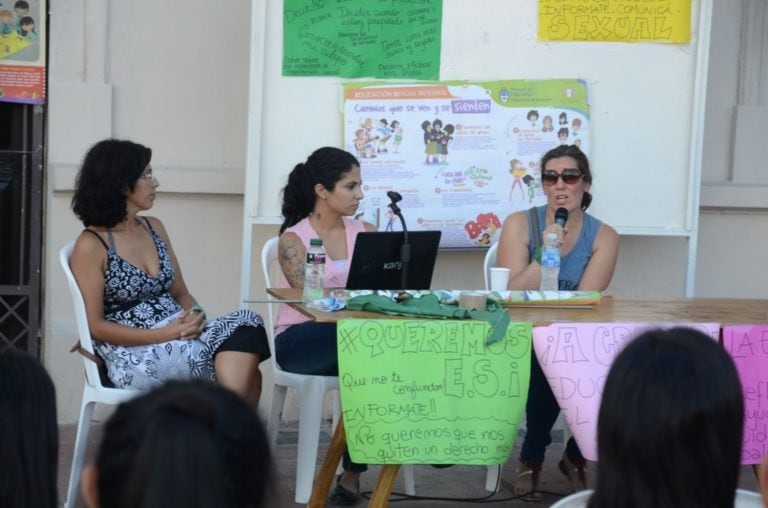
431	391
362	38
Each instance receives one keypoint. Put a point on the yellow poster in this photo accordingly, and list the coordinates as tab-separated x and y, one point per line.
615	20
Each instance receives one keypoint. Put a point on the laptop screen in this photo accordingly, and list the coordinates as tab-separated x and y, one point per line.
376	261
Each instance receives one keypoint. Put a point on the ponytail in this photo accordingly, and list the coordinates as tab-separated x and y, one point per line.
298	197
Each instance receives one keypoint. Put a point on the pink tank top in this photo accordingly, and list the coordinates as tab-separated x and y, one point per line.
336	271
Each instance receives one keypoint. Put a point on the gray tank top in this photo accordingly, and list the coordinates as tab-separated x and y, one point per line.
573	265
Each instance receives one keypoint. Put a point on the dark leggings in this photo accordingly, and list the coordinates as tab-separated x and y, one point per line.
541	412
310	348
247	339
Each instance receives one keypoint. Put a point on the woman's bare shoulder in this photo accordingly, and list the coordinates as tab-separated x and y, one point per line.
516	221
89	241
90	250
156	223
289	242
607	234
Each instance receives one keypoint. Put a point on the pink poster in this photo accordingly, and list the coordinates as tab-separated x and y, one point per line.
748	346
576	357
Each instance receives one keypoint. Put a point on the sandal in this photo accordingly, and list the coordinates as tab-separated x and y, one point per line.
576	473
342	496
527	482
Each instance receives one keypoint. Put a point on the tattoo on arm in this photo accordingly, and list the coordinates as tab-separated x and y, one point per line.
292	264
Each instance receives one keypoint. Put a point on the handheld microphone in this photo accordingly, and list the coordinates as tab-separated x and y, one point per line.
395	197
561	216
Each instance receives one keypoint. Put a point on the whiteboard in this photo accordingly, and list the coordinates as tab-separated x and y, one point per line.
645	100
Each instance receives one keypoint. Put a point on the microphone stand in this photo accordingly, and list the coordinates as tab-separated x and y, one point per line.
405	247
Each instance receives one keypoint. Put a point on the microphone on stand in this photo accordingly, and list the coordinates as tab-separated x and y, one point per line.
405	247
561	216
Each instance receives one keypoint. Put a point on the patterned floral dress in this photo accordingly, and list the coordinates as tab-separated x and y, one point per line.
134	298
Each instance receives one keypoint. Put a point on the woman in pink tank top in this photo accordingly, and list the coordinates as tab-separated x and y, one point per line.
321	196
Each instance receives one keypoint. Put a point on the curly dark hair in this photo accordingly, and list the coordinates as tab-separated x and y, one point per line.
582	162
109	173
325	166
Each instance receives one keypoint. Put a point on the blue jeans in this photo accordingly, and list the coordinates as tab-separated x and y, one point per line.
541	412
310	348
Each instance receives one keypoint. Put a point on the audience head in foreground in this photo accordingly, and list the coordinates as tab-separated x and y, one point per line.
670	424
29	435
186	443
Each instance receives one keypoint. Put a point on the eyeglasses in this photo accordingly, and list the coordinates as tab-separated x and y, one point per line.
148	175
569	176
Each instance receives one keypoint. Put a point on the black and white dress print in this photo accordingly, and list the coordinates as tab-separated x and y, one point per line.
134	298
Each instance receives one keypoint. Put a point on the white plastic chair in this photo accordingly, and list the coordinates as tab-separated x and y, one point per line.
312	391
93	390
488	263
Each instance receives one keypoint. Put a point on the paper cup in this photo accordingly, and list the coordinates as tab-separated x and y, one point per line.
472	300
499	278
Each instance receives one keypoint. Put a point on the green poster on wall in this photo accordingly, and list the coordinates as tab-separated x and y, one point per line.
431	391
362	38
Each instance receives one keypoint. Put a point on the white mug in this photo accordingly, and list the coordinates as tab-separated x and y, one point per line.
499	278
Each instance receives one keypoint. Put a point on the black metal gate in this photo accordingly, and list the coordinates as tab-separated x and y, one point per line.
21	224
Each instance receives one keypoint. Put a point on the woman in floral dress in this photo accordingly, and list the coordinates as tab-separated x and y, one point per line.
146	325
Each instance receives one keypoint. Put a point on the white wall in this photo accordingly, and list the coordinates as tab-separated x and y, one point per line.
178	83
734	199
174	81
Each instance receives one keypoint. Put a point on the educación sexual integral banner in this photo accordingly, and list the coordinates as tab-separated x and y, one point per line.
463	155
431	391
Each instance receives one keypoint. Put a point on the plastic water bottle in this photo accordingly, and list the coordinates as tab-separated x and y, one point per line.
550	264
314	271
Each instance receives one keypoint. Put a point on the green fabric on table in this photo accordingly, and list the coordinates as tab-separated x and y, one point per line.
429	306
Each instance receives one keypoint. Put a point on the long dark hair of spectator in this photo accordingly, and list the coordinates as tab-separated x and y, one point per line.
187	443
325	166
670	424
582	163
109	172
29	433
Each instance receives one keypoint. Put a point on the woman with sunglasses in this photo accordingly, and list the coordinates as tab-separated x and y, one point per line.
588	250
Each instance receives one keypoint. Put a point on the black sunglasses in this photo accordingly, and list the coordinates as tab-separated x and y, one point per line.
569	176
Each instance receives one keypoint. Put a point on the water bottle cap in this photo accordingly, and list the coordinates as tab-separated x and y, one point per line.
551	236
316	241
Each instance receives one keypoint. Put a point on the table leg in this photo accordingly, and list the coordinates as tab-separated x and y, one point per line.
380	496
322	485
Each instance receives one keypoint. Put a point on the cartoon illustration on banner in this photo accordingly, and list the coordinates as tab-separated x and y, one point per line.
22	51
463	155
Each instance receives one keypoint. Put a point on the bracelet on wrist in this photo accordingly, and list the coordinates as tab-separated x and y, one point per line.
537	254
197	308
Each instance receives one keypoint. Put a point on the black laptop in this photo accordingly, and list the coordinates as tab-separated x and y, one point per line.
376	262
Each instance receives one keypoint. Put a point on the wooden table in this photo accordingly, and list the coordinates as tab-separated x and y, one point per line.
609	310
